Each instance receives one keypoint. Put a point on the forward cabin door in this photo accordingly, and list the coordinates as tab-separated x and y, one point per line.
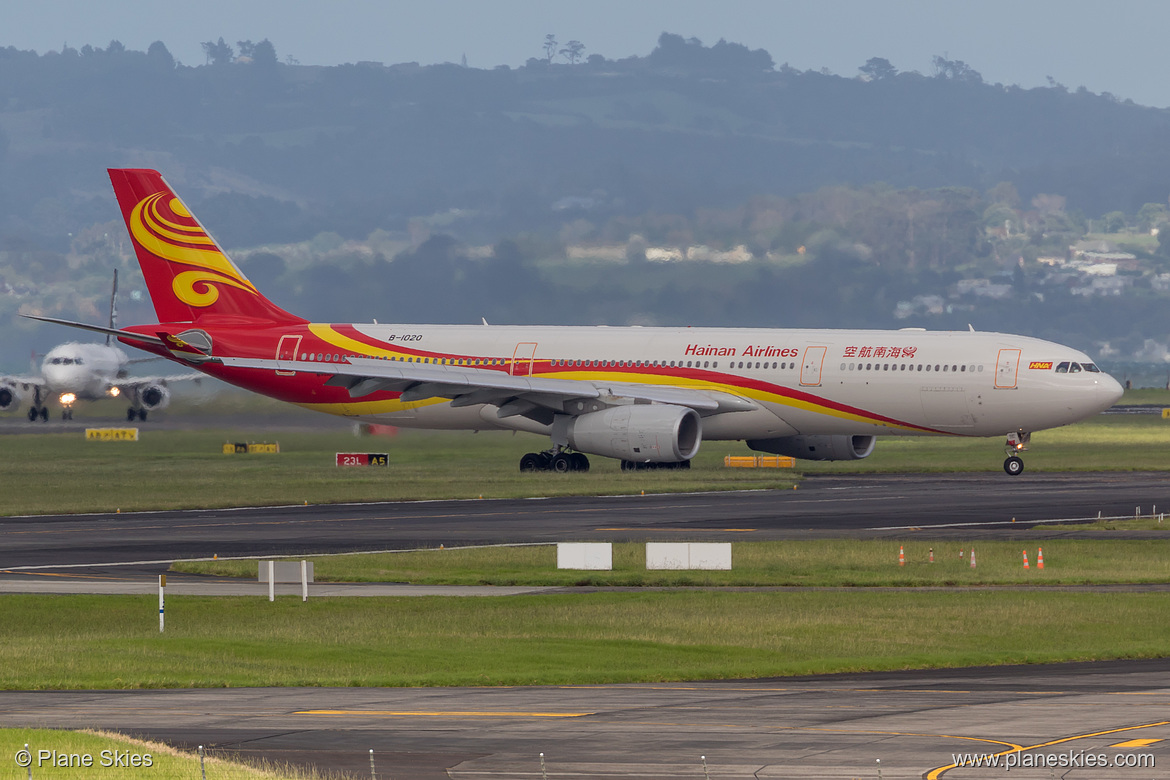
810	369
1007	369
286	352
522	359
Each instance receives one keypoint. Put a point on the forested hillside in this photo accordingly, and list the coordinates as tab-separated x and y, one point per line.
694	185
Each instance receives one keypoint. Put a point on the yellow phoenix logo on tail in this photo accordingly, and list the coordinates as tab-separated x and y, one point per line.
163	226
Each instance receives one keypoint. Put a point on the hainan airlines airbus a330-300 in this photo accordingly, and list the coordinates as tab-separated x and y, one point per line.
647	396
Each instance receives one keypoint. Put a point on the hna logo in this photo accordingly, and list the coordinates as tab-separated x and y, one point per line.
1042	365
164	227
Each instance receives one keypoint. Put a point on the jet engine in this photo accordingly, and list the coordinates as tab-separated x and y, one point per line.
154	397
643	433
9	397
817	447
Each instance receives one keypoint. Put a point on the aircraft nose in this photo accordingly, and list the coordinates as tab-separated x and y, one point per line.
1109	391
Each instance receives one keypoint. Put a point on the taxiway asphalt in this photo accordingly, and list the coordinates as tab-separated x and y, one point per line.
880	505
836	726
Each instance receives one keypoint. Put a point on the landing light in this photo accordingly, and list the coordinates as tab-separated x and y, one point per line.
114	392
67	399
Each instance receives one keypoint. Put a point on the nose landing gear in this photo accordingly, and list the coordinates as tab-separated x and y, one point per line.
1017	441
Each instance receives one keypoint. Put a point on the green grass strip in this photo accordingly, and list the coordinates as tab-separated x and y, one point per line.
827	563
90	642
83	755
63	473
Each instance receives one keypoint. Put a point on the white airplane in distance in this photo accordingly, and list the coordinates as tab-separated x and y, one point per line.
75	372
646	396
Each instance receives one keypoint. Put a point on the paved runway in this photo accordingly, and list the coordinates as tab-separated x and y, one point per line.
816	727
892	505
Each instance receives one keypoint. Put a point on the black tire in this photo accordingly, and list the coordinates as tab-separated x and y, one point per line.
580	462
32	414
1013	466
531	462
131	414
44	414
562	463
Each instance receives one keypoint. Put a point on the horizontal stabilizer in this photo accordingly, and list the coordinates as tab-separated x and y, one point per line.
128	334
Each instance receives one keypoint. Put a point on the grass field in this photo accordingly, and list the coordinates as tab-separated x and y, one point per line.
64	755
63	473
93	642
113	642
821	563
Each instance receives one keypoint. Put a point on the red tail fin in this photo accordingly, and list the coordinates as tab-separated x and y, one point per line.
187	274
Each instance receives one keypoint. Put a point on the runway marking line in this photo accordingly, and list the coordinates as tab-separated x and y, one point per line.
1137	743
62	574
415	714
938	772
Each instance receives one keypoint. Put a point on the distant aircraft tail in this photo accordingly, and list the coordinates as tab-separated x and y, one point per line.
189	277
113	308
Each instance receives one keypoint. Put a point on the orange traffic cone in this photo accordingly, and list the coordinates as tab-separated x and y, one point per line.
1040	558
972	557
1025	559
932	555
901	557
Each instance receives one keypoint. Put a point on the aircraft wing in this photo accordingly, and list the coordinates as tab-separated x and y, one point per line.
24	381
131	383
531	396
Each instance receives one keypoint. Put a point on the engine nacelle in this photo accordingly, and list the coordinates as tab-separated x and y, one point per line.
643	433
845	447
154	397
9	397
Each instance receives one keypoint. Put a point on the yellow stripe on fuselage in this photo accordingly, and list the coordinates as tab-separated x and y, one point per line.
330	335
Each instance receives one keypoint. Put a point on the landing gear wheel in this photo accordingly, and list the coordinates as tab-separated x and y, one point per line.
66	414
44	414
142	415
531	462
1013	466
32	414
131	413
562	463
580	462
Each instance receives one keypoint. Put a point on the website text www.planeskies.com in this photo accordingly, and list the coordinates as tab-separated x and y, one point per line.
1069	759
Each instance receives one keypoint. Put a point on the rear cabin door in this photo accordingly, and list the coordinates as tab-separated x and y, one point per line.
286	352
810	369
1007	368
522	358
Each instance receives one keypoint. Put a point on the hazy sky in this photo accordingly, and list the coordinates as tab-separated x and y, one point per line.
1118	47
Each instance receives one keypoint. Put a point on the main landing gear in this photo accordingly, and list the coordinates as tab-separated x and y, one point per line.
132	414
38	408
1016	442
551	460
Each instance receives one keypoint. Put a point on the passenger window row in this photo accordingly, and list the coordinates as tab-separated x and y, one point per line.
937	367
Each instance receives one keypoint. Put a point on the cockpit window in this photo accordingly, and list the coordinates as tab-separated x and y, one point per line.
1091	367
1062	368
1074	368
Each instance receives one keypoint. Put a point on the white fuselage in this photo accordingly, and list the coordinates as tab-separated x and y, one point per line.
902	382
87	371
